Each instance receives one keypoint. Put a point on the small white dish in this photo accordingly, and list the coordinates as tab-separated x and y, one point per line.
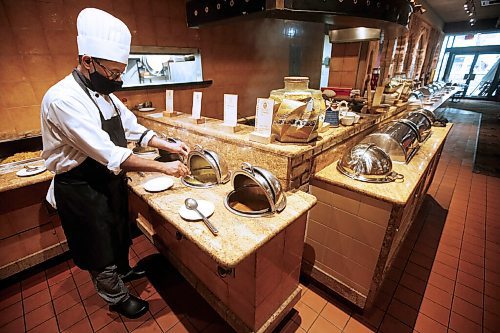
158	184
30	172
356	116
205	207
347	120
146	109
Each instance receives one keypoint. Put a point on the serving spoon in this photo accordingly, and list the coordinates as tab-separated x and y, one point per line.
192	204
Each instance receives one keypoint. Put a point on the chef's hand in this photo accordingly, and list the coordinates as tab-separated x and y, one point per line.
178	148
176	169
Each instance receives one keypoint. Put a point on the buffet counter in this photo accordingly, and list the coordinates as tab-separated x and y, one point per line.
249	273
10	181
291	163
356	229
30	231
353	232
395	193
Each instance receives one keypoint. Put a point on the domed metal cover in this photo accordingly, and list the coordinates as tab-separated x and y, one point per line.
422	123
399	139
368	163
428	114
257	192
207	169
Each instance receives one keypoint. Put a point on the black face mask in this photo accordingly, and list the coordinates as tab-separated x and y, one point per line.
102	84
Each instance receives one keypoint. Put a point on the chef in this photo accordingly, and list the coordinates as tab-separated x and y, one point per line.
85	129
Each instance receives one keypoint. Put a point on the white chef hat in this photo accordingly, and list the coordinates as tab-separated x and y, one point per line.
101	35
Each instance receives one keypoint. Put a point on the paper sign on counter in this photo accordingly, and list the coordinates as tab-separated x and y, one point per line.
377	98
230	110
264	116
169	101
196	111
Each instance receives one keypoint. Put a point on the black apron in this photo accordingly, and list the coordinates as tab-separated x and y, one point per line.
92	203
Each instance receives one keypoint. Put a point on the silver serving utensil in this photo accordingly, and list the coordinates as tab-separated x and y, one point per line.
193	205
32	168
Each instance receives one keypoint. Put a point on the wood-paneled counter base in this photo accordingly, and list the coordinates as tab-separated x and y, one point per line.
29	233
355	230
249	273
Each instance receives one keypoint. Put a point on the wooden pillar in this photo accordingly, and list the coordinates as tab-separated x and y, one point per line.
386	61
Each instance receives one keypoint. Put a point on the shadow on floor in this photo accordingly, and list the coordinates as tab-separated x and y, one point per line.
488	146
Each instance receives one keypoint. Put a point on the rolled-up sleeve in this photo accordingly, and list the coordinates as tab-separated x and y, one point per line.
85	134
133	130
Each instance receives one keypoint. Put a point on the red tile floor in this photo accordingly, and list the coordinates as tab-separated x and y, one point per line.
446	277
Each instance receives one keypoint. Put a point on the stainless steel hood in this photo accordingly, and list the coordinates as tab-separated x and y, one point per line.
390	15
359	34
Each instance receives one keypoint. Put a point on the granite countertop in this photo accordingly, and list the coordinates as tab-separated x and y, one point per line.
395	193
10	181
438	102
327	138
238	236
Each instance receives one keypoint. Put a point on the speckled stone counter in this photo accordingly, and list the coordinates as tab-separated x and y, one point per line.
356	228
291	163
249	273
394	193
238	236
10	181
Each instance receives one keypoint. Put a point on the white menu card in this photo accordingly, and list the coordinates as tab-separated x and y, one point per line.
196	112
230	109
264	116
169	101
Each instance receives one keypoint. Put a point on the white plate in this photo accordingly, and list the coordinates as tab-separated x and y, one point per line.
158	184
205	207
26	173
146	109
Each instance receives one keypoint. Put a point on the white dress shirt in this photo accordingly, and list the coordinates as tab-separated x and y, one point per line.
71	129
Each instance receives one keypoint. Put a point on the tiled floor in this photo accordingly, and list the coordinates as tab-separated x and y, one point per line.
446	277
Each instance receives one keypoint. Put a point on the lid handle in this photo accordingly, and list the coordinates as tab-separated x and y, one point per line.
247	166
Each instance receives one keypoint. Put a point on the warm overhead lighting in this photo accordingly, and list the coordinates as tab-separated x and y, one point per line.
470	9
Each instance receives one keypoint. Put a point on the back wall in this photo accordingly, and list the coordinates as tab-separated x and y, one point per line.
248	57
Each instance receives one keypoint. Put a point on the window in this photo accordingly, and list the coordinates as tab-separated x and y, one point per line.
477	39
152	66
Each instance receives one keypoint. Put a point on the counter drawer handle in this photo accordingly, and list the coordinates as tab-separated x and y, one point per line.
178	235
223	272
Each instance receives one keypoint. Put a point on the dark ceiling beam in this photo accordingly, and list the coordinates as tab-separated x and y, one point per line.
464	26
431	16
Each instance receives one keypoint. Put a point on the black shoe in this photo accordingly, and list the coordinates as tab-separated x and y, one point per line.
132	308
133	274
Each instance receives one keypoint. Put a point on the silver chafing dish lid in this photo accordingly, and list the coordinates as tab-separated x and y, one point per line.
257	192
422	123
398	139
368	163
207	169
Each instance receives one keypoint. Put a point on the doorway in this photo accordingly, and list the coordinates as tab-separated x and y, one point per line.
478	72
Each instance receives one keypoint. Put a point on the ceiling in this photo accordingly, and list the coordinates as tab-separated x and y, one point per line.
453	10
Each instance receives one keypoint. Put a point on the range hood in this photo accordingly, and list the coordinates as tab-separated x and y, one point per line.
359	34
390	15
